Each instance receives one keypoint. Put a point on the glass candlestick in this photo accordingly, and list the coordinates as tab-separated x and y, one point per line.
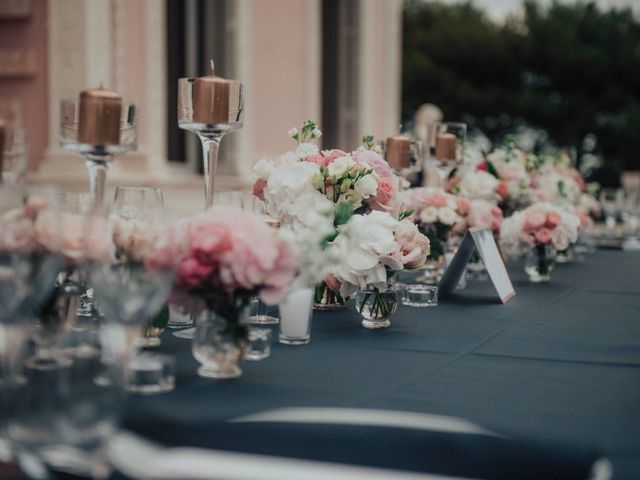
210	107
97	156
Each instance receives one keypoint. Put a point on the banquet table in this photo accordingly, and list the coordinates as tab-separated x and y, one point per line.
558	366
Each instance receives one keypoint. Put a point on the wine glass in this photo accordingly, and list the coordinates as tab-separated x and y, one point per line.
129	294
139	206
29	264
64	416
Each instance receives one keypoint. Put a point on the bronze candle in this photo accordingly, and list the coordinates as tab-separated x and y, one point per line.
99	119
446	147
211	100
398	150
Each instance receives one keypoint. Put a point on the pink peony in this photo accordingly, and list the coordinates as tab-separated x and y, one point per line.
192	273
372	159
331	156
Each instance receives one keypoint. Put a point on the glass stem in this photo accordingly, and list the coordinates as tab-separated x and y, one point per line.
97	166
210	146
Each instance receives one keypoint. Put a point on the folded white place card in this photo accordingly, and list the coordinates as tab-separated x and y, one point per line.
480	239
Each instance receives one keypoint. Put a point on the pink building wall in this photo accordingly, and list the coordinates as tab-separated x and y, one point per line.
31	91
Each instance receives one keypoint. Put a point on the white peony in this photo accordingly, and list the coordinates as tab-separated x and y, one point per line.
365	187
429	215
306	149
478	185
447	216
365	242
339	166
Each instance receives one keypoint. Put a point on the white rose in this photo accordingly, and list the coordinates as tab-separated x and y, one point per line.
447	215
365	187
429	215
339	166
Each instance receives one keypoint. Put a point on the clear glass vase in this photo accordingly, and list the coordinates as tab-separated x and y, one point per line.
566	256
219	345
376	306
327	299
539	263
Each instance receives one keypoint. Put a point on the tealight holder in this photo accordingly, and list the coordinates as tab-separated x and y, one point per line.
97	156
210	114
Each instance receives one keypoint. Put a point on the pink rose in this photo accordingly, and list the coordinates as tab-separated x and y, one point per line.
503	190
383	196
543	235
533	219
438	199
553	220
258	188
463	206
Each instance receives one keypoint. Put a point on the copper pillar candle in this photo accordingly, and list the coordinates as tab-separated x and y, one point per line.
446	147
99	119
211	100
398	151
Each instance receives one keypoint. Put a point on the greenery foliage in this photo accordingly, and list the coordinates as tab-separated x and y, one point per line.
570	69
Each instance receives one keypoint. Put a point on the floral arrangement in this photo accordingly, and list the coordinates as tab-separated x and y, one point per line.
38	227
538	225
474	184
484	214
374	247
302	184
437	214
222	258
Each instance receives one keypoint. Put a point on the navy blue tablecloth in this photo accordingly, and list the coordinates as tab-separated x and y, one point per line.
558	366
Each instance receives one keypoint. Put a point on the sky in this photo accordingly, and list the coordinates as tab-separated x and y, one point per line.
499	9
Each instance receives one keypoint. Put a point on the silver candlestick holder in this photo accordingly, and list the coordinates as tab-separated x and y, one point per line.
210	107
90	141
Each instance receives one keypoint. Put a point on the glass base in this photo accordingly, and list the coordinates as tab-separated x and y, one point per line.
375	324
539	278
53	362
329	306
410	303
294	340
187	334
208	372
177	324
264	320
148	342
166	385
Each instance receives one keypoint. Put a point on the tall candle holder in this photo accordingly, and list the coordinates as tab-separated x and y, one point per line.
98	130
210	107
446	147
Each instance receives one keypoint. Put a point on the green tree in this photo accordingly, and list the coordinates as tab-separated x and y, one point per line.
571	69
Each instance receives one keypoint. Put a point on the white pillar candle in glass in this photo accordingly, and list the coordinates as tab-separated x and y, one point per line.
295	317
